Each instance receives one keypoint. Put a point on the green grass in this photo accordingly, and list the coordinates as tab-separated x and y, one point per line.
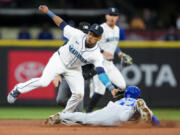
167	114
44	112
27	112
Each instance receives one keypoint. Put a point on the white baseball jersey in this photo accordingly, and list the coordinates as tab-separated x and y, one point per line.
68	61
108	43
75	54
110	38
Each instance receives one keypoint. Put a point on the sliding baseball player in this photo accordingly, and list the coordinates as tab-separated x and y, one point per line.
129	108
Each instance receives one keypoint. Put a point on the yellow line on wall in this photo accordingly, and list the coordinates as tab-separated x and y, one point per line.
31	43
58	43
149	44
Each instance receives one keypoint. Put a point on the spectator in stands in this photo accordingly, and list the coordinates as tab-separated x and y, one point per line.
171	35
122	22
24	33
45	34
137	23
150	19
178	22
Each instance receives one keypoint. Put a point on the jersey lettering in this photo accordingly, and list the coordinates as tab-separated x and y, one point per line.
112	39
77	54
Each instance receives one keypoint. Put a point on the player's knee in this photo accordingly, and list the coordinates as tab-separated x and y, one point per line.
80	96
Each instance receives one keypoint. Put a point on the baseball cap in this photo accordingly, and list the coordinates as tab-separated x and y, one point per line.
96	29
113	11
84	26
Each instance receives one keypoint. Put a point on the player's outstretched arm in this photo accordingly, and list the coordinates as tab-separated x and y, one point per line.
69	31
103	77
57	20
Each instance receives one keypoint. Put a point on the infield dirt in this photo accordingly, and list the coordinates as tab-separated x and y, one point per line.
37	127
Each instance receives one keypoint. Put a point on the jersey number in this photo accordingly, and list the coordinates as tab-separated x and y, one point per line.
127	102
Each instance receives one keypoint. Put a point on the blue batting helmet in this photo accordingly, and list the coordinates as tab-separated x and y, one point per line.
132	92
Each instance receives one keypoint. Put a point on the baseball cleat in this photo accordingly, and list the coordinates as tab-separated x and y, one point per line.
13	96
53	119
144	111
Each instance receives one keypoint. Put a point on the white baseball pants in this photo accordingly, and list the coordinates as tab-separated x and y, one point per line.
56	67
111	115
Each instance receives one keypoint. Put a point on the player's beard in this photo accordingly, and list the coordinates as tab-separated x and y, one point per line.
88	43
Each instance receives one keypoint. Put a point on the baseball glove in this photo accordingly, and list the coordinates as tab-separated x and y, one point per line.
126	60
88	71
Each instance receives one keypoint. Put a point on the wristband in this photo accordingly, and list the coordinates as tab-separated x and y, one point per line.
51	14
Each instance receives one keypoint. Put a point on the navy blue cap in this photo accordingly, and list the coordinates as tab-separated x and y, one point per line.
113	11
96	29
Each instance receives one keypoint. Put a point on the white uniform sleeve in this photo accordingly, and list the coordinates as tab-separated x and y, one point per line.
98	59
70	32
102	41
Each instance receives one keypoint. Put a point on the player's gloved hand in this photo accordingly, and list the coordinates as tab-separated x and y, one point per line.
88	71
126	60
43	8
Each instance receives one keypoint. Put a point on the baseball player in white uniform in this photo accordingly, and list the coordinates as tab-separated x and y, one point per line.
129	108
81	49
64	92
108	45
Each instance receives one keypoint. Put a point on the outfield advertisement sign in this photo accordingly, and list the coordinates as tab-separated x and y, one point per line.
24	65
156	72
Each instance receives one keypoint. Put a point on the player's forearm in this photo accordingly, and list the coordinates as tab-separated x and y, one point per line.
104	78
57	20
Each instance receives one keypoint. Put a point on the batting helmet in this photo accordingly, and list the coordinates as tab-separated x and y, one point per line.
132	92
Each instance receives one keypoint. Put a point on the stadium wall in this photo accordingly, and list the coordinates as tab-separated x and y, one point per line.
155	70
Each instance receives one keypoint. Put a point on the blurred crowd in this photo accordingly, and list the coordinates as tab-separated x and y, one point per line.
136	30
147	20
136	25
143	20
45	33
